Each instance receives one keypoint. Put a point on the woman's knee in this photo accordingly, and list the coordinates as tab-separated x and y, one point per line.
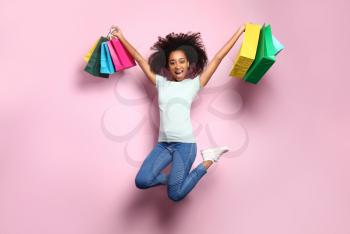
142	182
175	196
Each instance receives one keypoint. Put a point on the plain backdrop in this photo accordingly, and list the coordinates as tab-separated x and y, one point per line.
71	143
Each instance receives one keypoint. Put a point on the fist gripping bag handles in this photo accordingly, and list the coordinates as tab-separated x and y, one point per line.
107	56
257	54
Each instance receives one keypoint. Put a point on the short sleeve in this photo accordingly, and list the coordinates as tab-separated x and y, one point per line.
159	80
197	83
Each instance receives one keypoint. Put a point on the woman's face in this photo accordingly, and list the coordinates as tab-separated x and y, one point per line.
178	65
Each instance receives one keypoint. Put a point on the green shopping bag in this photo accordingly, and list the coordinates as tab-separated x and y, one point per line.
94	65
265	56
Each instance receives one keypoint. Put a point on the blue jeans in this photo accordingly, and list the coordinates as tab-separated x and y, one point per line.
180	181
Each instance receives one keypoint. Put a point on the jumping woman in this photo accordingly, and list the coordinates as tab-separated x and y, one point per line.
178	68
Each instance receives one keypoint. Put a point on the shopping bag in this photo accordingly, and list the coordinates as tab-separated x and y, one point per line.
265	56
93	66
247	51
88	55
120	56
107	66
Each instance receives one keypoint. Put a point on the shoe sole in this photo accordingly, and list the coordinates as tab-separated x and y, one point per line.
224	149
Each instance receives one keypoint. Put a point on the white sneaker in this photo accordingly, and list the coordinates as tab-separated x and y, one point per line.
214	154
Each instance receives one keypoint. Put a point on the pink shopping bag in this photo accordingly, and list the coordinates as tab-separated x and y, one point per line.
120	56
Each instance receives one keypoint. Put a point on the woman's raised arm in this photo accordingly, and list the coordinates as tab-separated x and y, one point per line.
141	61
214	63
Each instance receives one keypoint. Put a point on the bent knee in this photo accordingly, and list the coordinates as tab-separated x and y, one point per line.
175	196
142	182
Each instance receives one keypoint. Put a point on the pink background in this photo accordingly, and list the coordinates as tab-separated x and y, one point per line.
71	144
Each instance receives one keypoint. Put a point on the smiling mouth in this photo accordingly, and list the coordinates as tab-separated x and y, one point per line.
178	72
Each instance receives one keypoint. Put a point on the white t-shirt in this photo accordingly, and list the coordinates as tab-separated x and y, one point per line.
175	99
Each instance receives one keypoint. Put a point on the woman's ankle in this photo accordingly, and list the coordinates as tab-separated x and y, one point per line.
207	163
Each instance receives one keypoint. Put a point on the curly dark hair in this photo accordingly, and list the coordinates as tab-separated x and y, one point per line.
190	43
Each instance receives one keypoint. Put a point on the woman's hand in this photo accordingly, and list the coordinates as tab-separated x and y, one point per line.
116	32
242	27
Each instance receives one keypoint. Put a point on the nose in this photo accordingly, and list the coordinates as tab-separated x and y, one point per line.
177	65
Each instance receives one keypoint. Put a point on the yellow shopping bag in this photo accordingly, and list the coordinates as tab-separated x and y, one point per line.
247	52
88	55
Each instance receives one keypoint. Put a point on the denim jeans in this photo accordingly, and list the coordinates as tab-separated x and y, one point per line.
180	181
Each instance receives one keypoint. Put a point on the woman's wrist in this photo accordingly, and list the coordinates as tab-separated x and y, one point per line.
242	28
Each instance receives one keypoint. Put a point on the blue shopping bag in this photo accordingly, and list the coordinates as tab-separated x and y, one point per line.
107	66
